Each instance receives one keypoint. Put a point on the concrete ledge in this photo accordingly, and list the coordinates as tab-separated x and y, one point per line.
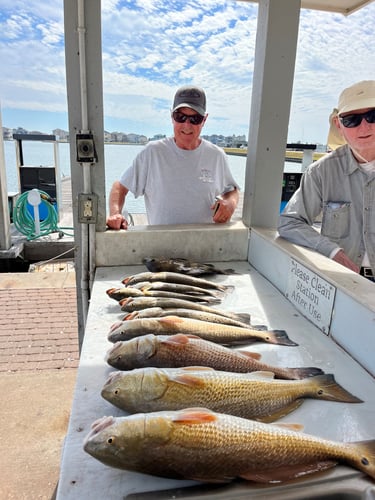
353	317
200	242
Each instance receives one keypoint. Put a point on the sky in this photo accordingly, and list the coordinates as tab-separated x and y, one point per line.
151	47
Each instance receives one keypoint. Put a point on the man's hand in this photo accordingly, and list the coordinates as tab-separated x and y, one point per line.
344	260
117	221
225	206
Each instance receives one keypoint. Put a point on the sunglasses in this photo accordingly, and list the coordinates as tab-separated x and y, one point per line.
181	118
351	121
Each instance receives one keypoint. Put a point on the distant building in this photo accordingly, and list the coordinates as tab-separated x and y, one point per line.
61	135
7	134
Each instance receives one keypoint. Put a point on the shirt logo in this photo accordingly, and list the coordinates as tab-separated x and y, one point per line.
206	176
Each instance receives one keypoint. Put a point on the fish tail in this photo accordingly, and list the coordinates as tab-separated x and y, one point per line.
325	387
244	317
300	373
279	337
363	457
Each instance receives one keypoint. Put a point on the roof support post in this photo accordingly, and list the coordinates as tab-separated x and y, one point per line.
275	53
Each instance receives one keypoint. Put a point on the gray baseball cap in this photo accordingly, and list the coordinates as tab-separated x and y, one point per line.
190	97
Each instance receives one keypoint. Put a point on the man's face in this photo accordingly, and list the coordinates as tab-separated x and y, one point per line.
187	134
361	137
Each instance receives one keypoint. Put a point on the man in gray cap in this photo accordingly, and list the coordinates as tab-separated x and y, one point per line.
341	185
184	179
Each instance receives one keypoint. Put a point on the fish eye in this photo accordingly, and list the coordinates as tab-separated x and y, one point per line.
364	461
110	440
320	392
116	391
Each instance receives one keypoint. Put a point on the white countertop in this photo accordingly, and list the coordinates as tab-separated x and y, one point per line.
83	477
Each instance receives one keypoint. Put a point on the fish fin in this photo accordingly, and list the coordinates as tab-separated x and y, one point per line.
187	379
179	338
168	321
130	316
281	412
281	474
290	427
115	326
260	375
249	354
194	416
197	369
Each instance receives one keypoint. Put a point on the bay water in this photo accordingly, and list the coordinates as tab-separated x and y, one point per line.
117	158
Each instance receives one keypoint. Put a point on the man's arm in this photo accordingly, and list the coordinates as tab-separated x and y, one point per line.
117	196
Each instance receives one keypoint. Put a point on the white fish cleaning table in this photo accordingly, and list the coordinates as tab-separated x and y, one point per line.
84	477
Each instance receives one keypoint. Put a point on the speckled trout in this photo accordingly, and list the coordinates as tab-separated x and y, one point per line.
198	444
249	395
179	350
214	332
137	303
170	277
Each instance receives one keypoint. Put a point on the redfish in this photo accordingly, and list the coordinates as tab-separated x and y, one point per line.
249	395
198	444
214	332
187	350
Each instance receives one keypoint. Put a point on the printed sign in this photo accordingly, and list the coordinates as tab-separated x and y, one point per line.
311	295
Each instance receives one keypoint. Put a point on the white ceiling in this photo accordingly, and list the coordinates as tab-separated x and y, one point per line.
345	7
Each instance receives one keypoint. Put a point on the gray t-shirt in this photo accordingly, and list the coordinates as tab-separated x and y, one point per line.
179	186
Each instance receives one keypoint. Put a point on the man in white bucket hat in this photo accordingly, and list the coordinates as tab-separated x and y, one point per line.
341	186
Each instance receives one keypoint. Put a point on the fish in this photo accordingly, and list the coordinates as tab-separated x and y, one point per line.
177	288
120	293
159	312
212	447
170	277
183	266
253	395
175	351
136	303
215	332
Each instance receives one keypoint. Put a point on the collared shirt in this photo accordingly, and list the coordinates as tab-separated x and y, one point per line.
338	188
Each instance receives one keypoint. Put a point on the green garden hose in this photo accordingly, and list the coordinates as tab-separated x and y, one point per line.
24	221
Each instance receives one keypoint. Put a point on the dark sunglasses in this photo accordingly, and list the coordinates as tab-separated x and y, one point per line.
181	118
351	121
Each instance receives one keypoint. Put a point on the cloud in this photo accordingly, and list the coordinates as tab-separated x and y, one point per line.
150	47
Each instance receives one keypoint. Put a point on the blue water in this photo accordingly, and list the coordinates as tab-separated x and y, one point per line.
117	158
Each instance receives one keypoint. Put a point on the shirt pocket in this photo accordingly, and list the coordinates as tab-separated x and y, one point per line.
336	219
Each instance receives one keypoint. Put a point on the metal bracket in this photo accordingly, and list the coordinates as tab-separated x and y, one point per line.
85	146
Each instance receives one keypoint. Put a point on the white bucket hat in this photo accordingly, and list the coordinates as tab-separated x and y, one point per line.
361	95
